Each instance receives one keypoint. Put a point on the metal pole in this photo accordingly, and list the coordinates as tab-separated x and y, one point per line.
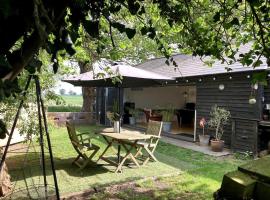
48	139
15	122
119	110
41	140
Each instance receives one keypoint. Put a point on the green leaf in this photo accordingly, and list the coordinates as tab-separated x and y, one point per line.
92	28
216	17
235	21
130	33
259	77
120	27
257	63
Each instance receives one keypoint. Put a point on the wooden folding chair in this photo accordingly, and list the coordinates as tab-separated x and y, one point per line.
82	144
148	146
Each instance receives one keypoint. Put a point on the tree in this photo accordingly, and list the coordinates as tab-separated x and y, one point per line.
205	28
62	91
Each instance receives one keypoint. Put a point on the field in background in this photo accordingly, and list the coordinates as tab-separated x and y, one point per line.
73	103
73	99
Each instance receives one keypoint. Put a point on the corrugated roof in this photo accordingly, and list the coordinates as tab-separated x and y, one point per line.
189	66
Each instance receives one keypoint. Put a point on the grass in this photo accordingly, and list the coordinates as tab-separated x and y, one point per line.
185	174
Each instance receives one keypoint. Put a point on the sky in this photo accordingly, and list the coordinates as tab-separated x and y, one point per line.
67	87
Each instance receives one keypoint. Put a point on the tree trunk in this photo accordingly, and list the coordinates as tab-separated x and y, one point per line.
5	183
88	93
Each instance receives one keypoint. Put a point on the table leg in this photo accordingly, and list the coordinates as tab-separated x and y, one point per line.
109	145
128	154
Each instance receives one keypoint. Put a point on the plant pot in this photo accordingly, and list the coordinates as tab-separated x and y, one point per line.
132	120
167	126
116	126
204	140
217	145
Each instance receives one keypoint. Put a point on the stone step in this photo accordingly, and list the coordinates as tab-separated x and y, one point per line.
262	191
237	185
259	168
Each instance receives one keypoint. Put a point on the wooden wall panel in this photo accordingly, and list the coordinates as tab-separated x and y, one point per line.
234	98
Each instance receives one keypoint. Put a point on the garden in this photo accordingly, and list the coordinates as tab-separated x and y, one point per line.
179	174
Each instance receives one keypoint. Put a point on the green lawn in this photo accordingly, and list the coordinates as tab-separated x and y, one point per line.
186	174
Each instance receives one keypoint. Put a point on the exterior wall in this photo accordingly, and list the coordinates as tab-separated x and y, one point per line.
241	133
160	97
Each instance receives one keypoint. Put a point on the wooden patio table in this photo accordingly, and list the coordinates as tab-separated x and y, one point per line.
127	139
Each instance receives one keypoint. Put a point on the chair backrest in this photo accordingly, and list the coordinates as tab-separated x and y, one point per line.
71	131
154	128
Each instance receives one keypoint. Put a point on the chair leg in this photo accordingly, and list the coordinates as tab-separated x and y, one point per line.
150	155
89	159
109	145
76	159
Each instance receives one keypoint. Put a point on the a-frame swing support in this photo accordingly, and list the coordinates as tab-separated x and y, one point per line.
41	116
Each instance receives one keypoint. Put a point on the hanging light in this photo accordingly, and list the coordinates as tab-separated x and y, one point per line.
252	100
230	77
176	81
248	76
187	81
255	86
200	80
221	87
214	78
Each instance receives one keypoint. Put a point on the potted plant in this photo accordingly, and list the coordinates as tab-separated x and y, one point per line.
167	117
114	117
204	139
134	114
219	117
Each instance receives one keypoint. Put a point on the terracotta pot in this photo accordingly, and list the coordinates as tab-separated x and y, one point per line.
217	145
204	140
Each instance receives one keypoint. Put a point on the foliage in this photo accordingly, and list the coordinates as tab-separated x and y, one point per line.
167	114
212	28
219	117
114	115
134	112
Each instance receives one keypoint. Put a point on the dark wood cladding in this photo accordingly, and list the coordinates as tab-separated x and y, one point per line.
241	133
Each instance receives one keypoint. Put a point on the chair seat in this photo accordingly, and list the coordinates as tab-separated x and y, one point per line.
90	146
145	144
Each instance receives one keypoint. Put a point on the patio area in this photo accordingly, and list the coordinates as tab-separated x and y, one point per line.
196	170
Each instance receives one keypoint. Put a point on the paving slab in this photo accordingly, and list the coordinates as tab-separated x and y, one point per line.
196	147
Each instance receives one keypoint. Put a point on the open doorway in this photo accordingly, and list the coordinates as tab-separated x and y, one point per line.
156	99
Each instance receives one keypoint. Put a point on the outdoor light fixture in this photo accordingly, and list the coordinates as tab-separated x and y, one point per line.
186	80
255	86
176	81
221	87
214	78
252	100
230	77
248	76
200	80
166	82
